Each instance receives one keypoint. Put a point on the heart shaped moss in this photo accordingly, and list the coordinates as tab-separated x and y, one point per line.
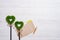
19	25
10	19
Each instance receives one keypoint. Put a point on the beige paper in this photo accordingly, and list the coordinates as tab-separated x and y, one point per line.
27	29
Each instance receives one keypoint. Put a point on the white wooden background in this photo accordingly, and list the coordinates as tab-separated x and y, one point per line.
44	13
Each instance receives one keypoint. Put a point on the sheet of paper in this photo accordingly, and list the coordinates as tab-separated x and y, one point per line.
27	29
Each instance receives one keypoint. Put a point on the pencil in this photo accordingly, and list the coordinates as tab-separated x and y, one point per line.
19	35
10	32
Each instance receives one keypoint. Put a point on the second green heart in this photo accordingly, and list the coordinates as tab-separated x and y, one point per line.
19	25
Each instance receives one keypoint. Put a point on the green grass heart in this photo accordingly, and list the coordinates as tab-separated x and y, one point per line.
10	19
19	25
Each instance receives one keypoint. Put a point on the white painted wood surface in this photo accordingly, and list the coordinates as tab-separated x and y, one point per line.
44	13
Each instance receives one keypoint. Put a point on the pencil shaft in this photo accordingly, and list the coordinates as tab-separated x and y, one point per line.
19	35
10	32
